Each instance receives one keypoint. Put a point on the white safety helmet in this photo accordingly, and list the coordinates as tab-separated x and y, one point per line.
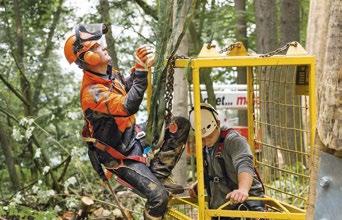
209	119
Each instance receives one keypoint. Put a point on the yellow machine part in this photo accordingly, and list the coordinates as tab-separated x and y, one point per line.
281	125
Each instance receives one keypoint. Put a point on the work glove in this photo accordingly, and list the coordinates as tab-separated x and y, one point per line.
193	190
144	58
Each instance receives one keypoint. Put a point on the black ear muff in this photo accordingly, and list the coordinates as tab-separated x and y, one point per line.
91	58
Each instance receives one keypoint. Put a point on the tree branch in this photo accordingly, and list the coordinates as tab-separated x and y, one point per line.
14	90
147	9
67	162
20	70
49	43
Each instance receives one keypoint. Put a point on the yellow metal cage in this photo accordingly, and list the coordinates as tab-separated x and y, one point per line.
281	125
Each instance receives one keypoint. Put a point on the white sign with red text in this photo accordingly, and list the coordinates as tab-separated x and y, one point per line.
229	99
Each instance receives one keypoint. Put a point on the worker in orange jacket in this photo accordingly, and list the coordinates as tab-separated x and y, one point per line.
109	103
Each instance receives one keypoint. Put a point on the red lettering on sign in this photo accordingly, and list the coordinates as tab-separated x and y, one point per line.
241	100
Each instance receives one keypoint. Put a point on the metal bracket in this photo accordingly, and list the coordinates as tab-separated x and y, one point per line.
297	50
329	188
209	51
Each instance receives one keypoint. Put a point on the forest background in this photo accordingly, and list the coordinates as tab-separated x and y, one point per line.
44	168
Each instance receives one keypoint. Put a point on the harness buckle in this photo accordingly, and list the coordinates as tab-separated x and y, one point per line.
140	135
216	179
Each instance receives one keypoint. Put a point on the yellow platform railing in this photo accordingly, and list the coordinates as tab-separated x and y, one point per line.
281	125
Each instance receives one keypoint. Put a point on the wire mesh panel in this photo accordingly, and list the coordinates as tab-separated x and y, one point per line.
281	127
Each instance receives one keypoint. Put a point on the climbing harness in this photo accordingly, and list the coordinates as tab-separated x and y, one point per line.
112	151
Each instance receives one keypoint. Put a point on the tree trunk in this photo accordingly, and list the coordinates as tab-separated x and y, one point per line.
329	101
317	33
104	12
289	31
266	29
24	83
289	21
324	41
266	40
180	96
241	35
7	151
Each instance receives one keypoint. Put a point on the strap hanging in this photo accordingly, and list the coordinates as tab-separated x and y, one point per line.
111	151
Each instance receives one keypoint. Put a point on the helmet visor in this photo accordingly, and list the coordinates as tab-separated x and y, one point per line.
88	35
90	32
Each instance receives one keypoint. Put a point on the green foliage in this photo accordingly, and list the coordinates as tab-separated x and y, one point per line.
22	212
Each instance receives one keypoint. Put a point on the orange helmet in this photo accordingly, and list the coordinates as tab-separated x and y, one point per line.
70	54
77	46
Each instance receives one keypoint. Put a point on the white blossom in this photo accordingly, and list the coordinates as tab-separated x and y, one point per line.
30	121
38	153
23	121
54	161
46	170
75	151
40	182
5	208
17	198
28	132
26	121
35	189
50	193
57	208
16	134
71	181
70	204
73	115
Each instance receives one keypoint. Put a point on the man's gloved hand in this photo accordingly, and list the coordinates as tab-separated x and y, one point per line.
144	58
193	190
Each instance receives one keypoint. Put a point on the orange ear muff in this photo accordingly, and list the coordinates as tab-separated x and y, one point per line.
92	58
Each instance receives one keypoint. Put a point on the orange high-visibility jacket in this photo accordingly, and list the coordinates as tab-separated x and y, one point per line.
109	106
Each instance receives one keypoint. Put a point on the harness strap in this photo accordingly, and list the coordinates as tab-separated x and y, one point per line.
111	151
218	155
230	183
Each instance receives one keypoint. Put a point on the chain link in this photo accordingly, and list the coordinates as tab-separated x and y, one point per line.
169	88
230	47
279	50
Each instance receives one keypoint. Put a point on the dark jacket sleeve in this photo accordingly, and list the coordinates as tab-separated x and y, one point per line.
128	81
240	152
135	94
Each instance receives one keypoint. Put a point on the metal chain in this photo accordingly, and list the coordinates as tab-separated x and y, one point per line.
169	88
279	50
169	91
230	47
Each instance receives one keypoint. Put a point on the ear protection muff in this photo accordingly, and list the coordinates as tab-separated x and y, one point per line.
91	58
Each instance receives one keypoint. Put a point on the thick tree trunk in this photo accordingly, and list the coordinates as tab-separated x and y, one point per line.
324	41
180	96
317	33
289	21
266	28
266	33
241	35
105	17
7	151
289	31
329	88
